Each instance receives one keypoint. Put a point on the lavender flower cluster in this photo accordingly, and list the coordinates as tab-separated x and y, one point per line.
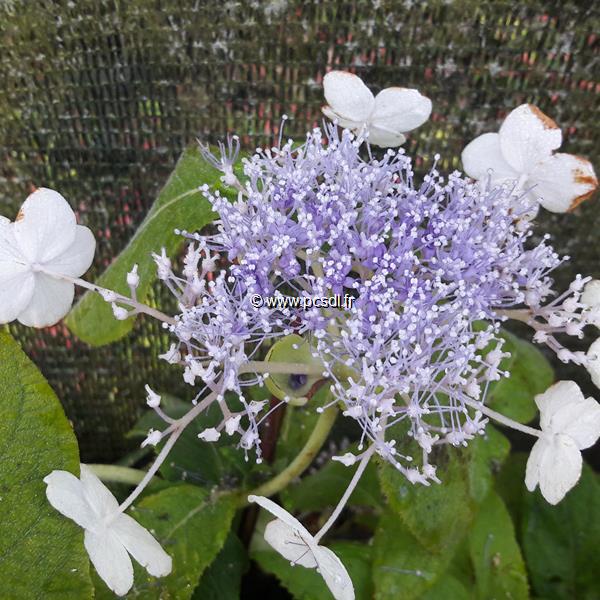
431	267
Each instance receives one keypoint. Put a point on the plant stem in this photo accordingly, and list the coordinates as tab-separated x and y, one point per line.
260	366
364	461
502	419
176	429
138	306
304	458
117	473
517	314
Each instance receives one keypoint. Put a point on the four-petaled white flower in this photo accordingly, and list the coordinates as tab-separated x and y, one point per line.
291	539
44	239
386	117
523	150
110	535
570	423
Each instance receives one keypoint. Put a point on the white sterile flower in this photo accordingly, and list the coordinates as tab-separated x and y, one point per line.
570	423
110	535
386	117
44	240
209	435
292	540
523	149
593	362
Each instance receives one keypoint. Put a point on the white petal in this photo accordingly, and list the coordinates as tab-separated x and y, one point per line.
482	158
347	96
16	279
78	257
593	364
384	138
563	181
286	540
532	471
140	543
560	468
280	513
109	557
583	425
51	301
556	397
98	495
16	289
334	573
45	226
65	493
355	126
528	136
564	410
591	293
400	109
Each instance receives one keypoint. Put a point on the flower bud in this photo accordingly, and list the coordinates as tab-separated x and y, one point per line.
154	436
152	398
209	435
133	279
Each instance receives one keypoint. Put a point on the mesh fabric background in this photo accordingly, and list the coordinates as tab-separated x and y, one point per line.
97	99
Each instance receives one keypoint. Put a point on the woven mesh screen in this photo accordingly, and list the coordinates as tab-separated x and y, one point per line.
97	99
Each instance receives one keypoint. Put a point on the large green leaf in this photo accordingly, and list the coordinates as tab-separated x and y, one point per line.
222	580
447	587
192	525
487	453
402	567
438	515
561	542
530	374
495	553
179	204
307	584
41	552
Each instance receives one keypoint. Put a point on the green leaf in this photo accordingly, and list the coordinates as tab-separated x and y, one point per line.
307	584
561	542
402	567
179	204
191	459
530	374
437	515
487	453
191	525
447	586
510	485
41	552
222	580
495	553
291	349
326	486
